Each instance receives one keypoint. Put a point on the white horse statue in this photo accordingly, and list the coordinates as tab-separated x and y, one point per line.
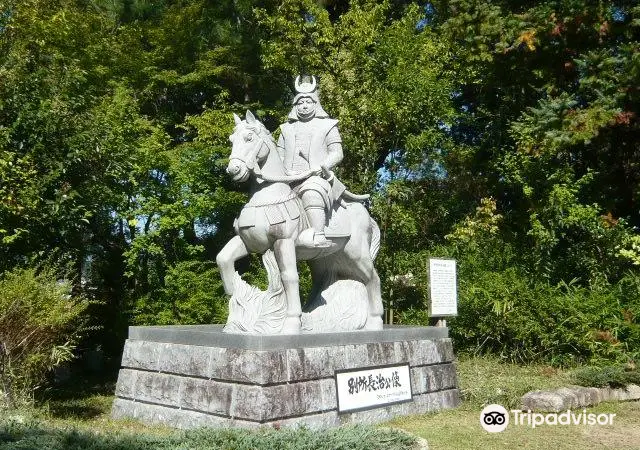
273	223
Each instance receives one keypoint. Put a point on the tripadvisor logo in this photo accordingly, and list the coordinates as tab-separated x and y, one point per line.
495	418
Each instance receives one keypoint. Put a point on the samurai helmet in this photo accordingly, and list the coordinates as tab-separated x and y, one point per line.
309	90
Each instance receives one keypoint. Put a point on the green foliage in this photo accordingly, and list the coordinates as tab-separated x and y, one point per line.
500	133
192	294
503	312
16	436
40	323
607	376
573	239
475	231
632	250
550	105
413	316
173	222
68	131
387	80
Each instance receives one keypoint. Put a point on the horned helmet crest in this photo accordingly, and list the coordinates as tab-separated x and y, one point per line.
305	88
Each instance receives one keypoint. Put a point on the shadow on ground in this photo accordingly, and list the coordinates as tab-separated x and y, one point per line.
80	397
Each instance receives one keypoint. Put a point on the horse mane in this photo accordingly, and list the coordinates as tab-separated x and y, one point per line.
263	132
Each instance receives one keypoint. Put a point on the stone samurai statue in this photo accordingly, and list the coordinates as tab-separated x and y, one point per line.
300	211
310	141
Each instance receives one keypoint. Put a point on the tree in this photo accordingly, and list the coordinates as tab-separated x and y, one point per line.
549	106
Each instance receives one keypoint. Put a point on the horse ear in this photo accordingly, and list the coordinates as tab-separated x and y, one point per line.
251	119
237	119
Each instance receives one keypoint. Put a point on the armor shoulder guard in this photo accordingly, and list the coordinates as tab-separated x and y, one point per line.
332	123
286	129
326	124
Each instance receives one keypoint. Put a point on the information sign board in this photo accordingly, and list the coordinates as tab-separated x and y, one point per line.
443	289
372	387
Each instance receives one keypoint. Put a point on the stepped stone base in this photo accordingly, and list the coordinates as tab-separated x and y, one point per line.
194	376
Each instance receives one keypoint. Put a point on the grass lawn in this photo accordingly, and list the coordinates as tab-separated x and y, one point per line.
484	381
78	418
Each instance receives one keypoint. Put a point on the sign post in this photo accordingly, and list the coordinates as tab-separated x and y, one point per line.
443	289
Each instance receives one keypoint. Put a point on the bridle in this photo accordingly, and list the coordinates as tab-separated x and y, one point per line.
250	159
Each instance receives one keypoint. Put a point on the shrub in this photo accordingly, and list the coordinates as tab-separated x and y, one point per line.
34	434
40	321
510	308
190	294
506	314
607	376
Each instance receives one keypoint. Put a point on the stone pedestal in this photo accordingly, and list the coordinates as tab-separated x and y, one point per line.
193	376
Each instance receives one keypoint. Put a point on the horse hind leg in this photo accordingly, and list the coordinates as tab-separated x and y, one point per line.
360	252
363	269
374	318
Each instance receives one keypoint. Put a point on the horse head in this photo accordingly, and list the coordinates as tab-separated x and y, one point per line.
250	146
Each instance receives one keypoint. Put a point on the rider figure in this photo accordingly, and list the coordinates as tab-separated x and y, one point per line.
310	141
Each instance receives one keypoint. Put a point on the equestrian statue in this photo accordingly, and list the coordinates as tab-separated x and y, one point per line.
300	211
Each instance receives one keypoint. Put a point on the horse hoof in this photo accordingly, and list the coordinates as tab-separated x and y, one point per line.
292	325
373	323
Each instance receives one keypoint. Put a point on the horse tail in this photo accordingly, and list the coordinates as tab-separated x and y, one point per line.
374	247
252	310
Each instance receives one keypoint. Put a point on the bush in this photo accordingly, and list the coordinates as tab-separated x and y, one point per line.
16	436
608	376
40	322
506	314
191	294
509	308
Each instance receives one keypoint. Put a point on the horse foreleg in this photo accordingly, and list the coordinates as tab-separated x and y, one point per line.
285	252
226	259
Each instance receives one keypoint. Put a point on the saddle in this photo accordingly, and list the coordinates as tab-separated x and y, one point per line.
338	231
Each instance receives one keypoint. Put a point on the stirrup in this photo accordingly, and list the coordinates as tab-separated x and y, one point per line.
320	240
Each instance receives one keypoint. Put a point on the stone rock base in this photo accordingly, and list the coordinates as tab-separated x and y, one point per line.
197	376
573	397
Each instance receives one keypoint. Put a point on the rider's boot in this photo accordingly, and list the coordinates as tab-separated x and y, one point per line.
317	219
315	209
